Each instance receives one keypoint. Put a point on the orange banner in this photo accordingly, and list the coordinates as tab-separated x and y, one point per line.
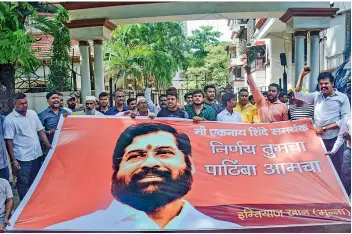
124	174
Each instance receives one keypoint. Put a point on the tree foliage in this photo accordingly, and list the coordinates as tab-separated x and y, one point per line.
15	49
59	77
201	38
145	50
15	43
215	69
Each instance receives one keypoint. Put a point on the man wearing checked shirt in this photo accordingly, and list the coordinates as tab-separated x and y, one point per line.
330	108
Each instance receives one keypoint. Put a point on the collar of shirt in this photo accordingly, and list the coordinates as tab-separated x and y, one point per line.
16	114
99	109
138	114
228	113
248	105
61	110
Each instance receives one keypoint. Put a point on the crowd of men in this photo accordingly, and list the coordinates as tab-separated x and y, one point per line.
328	108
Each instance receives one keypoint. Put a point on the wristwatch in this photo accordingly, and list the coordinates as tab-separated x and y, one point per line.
324	128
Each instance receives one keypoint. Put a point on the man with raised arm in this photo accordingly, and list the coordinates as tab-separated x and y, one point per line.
270	109
330	107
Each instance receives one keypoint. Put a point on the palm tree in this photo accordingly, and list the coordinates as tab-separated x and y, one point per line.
145	50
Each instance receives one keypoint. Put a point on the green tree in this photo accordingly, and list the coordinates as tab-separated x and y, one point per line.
15	47
59	77
201	38
215	69
145	50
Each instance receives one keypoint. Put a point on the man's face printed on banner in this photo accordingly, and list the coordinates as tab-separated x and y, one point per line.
153	172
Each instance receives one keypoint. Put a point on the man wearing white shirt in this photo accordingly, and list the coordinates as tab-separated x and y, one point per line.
21	130
153	171
330	107
90	106
229	114
344	134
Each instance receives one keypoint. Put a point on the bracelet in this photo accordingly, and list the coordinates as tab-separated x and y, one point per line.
13	162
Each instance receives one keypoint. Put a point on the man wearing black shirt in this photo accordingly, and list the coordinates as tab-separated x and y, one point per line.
172	111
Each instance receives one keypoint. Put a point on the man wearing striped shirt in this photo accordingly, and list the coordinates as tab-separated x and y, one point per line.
299	109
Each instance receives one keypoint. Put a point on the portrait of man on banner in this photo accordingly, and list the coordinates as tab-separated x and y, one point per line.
152	173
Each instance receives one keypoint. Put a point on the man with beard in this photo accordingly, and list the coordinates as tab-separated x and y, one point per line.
104	103
119	103
330	108
132	103
172	111
248	112
198	111
50	117
72	105
270	109
90	106
61	96
152	172
210	97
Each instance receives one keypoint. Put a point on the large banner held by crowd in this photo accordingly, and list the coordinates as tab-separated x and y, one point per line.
108	174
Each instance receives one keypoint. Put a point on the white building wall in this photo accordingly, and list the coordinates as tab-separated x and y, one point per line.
38	102
280	43
334	44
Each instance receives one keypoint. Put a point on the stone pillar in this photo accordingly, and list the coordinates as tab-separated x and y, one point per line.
314	60
98	67
84	70
299	53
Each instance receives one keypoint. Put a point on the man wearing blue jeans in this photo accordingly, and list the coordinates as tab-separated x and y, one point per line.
21	130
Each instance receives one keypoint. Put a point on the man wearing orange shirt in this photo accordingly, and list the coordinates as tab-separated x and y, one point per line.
270	109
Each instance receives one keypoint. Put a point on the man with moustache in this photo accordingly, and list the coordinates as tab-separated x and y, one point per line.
152	172
198	111
172	111
270	108
330	108
50	117
119	103
248	111
21	130
210	98
132	104
72	105
104	103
